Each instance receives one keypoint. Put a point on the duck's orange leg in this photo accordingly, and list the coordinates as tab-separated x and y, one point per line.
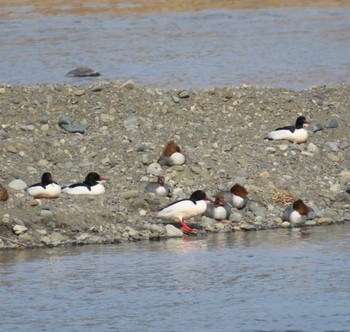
186	229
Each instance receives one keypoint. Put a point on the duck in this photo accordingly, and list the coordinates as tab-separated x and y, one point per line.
90	186
3	194
186	208
298	213
295	134
219	209
237	196
47	188
171	155
159	188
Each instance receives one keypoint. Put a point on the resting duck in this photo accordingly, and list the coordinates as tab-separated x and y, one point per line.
295	134
219	209
237	196
47	188
298	213
172	155
3	194
159	188
90	186
185	209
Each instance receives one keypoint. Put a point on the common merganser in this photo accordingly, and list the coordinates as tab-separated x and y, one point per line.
172	155
219	209
185	209
295	134
237	196
159	188
90	186
3	194
47	188
298	213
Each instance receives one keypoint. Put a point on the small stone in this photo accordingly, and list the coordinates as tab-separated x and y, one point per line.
130	194
310	223
172	231
312	148
17	184
128	85
19	229
325	221
33	202
314	127
2	91
333	157
235	216
336	188
345	175
131	123
283	147
333	124
285	224
45	127
79	92
265	175
270	149
154	169
184	94
46	213
11	149
83	72
142	212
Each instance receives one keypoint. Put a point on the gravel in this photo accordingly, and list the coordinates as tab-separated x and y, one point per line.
119	130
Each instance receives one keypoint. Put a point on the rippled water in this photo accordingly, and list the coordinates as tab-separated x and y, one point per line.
268	280
278	47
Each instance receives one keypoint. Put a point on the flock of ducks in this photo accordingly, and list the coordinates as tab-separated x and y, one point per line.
198	203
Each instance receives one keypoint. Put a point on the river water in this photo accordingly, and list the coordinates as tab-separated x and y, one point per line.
268	46
280	280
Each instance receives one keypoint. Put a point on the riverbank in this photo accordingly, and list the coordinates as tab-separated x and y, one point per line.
123	131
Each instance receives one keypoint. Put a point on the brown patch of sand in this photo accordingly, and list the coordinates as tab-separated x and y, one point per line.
139	7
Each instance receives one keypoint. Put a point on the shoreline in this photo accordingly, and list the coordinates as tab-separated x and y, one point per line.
222	130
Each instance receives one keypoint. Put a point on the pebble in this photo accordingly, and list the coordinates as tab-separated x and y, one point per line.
172	231
79	92
345	175
17	184
19	229
131	123
184	94
333	123
82	72
130	85
154	169
130	194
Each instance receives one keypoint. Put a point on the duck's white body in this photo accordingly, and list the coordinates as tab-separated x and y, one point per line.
183	209
97	189
38	190
159	190
293	216
217	212
297	136
236	201
177	158
91	186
